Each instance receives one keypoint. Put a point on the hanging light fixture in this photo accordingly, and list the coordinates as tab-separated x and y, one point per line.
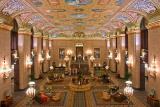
4	70
29	62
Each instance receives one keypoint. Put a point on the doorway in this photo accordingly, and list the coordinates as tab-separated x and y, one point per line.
79	53
127	75
14	51
32	55
144	47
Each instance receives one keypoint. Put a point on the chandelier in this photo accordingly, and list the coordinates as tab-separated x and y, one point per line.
4	70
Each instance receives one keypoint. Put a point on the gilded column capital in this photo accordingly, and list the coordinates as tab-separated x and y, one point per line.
134	30
121	35
24	31
6	27
37	35
113	37
45	37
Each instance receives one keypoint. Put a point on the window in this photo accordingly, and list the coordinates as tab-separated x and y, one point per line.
61	53
96	52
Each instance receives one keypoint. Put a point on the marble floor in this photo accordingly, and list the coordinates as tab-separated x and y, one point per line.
83	99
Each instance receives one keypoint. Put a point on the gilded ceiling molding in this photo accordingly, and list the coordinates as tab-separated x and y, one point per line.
156	3
152	25
24	31
5	27
17	14
3	3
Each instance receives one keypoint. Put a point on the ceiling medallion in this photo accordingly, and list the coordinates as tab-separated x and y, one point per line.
78	2
37	3
79	10
79	16
98	10
79	34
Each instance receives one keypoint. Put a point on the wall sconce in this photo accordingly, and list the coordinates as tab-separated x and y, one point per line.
33	53
126	52
110	56
117	58
29	62
14	56
152	69
41	59
129	62
143	55
4	70
92	59
69	52
48	57
66	58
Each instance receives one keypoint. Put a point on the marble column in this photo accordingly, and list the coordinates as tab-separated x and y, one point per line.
24	42
134	56
153	50
121	52
45	48
37	50
50	51
108	49
5	37
113	49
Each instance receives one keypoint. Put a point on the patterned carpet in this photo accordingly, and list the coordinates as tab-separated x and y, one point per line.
99	102
79	99
60	103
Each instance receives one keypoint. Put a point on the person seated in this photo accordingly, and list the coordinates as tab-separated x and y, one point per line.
106	96
56	97
43	97
119	97
105	78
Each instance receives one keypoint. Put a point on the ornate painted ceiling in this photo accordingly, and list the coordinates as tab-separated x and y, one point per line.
70	16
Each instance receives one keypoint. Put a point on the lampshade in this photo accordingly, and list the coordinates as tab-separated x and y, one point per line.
31	91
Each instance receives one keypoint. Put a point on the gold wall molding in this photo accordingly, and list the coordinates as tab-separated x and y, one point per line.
37	35
153	25
24	31
6	27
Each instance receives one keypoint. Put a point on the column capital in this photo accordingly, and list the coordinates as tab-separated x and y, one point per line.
45	37
37	35
6	27
135	30
121	35
24	31
113	37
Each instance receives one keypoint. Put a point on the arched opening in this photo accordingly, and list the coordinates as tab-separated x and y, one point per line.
144	48
14	55
42	53
127	76
116	55
32	54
